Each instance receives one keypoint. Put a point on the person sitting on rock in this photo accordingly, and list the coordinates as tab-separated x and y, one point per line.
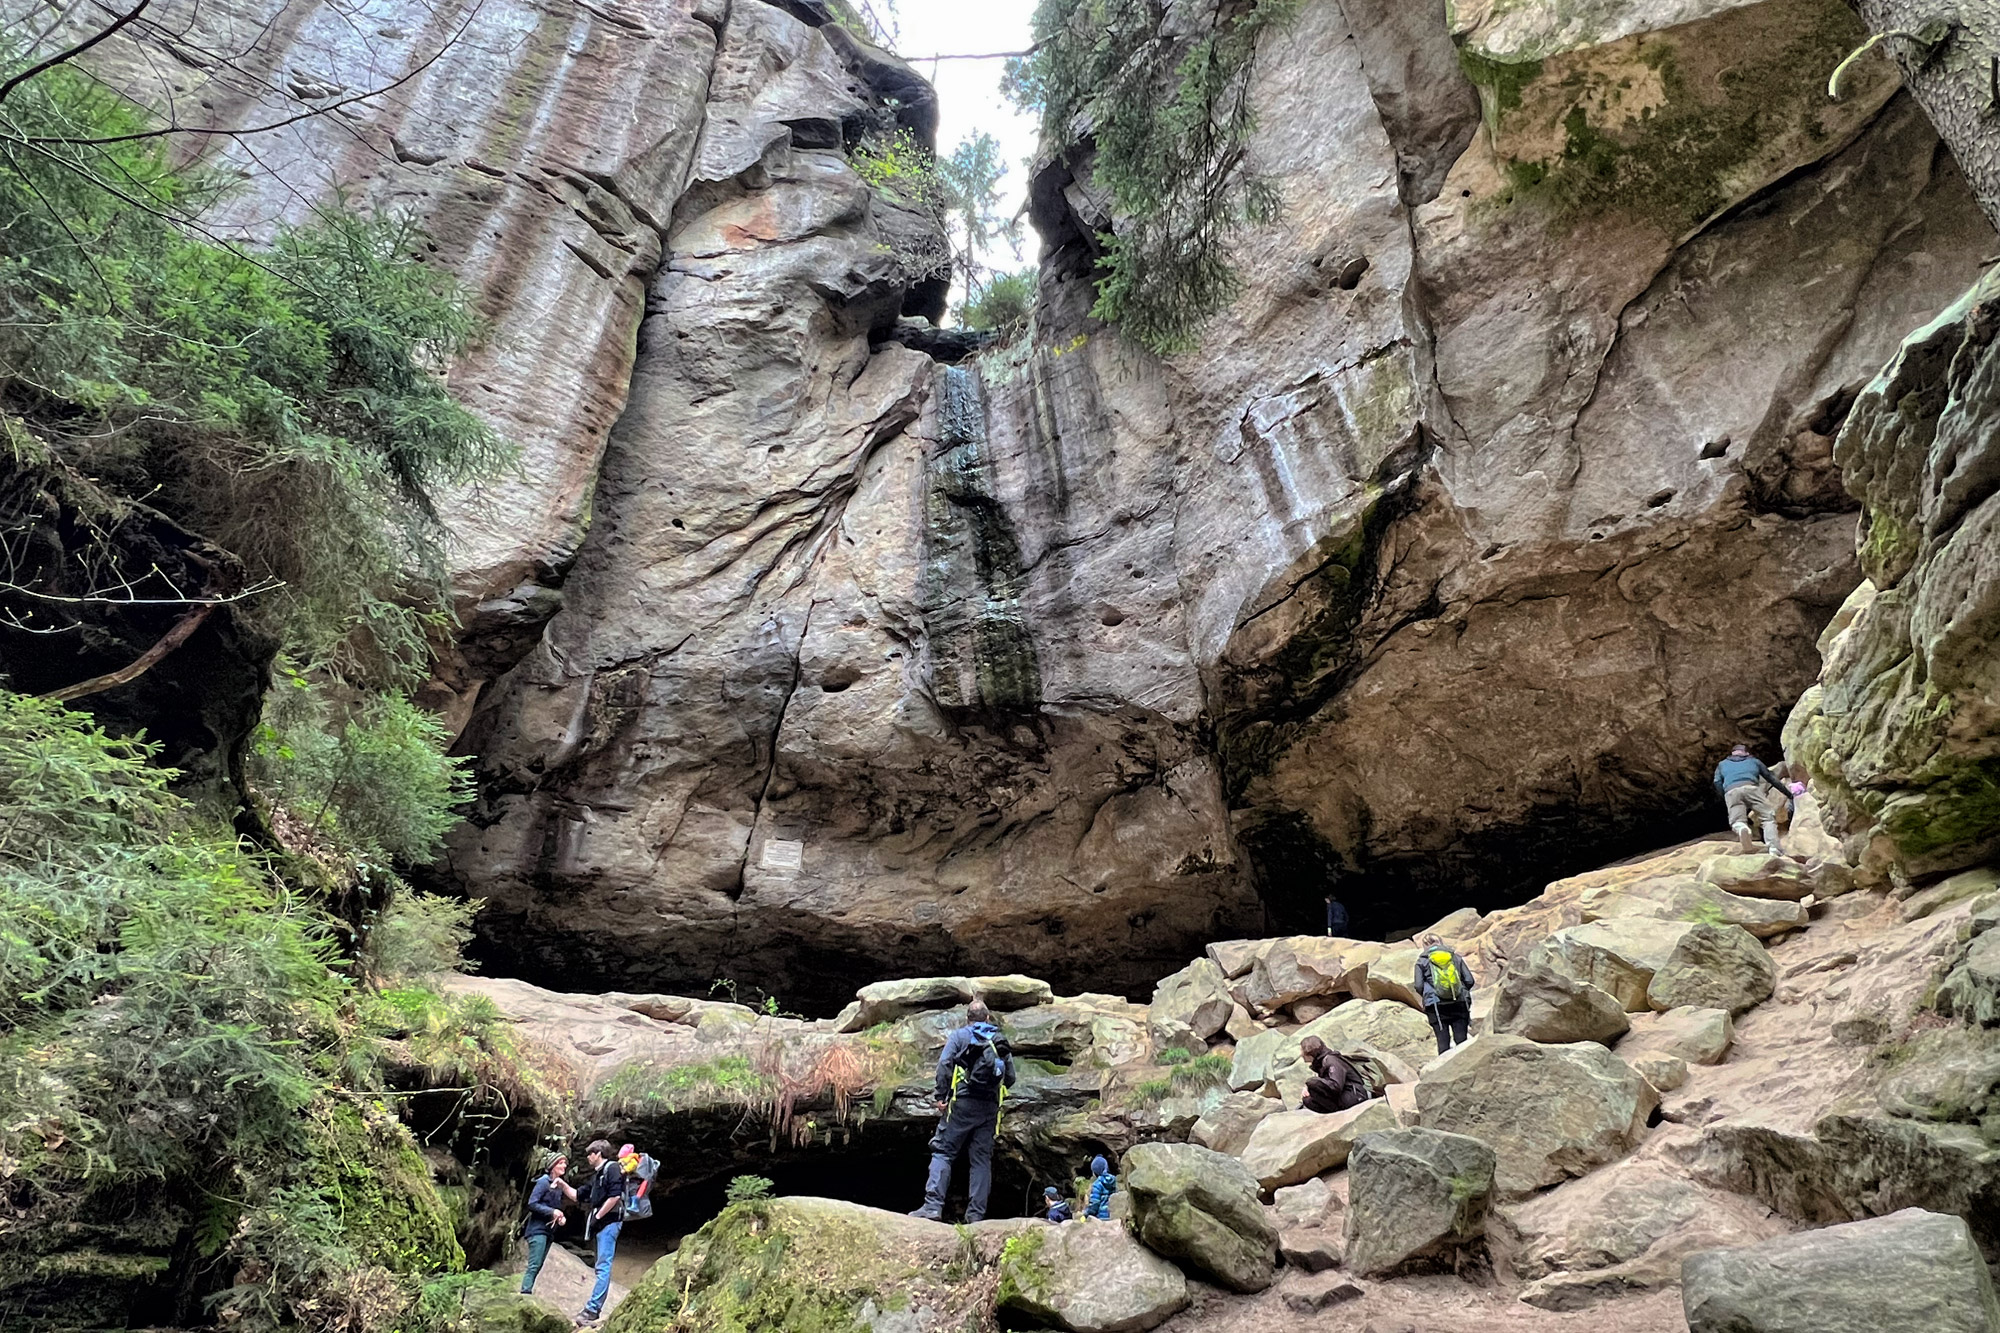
1103	1184
1055	1208
1444	983
1335	1084
1744	785
974	1071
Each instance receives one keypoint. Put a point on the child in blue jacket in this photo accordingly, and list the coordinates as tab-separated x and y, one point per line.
1103	1184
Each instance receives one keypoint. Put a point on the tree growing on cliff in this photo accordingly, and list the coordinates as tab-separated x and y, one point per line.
972	176
1169	117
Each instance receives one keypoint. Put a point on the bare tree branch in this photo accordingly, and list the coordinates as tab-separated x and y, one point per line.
172	639
72	52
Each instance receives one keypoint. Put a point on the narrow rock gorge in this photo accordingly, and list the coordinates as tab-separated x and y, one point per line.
1598	385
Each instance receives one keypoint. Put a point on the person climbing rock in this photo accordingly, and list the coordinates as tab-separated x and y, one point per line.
1055	1208
1103	1184
974	1071
606	1218
1336	916
1444	983
1745	786
545	1216
1335	1084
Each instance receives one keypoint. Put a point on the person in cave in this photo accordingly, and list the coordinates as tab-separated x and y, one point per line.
1336	916
1335	1084
545	1216
1745	786
1444	983
974	1071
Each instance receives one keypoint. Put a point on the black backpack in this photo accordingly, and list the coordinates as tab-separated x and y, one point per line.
986	1062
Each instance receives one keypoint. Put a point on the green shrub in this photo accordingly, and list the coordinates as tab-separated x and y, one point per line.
417	935
743	1189
1002	305
369	776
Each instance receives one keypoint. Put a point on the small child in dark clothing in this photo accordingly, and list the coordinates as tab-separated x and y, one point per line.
1055	1208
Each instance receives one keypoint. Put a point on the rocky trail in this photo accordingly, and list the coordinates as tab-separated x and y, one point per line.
1686	1086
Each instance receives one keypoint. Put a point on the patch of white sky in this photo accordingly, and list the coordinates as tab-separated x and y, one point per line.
969	97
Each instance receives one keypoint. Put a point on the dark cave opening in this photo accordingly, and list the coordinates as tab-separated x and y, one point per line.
878	1165
1393	896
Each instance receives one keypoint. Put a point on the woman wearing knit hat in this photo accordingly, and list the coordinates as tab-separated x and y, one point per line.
545	1215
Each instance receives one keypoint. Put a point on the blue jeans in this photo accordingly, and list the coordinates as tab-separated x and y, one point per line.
538	1250
607	1245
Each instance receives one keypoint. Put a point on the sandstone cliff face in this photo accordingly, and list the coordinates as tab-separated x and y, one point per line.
1500	500
1903	731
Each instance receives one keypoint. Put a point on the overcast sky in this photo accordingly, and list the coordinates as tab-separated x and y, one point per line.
969	90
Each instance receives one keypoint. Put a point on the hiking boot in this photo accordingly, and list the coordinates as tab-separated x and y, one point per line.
927	1214
585	1319
1743	839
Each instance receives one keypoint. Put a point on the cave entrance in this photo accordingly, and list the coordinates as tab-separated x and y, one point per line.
881	1167
1393	896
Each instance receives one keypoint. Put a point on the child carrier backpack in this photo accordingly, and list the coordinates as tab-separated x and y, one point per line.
639	1170
1450	986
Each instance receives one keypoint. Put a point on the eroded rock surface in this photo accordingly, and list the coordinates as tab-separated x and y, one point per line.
1021	664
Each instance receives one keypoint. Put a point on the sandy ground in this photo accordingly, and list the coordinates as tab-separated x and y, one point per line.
1414	1305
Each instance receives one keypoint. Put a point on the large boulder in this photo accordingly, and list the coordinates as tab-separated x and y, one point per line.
1226	1127
1549	1112
1685	898
1200	1209
1911	1270
1414	1194
1295	1146
1760	875
1391	975
1292	969
1542	1004
887	1001
1386	1025
1698	1036
1088	1279
1971	990
1616	956
1714	967
805	1263
1189	1007
1250	1066
1012	991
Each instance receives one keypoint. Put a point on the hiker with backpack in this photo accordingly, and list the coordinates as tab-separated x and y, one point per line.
974	1071
1336	1083
545	1216
1746	787
1444	983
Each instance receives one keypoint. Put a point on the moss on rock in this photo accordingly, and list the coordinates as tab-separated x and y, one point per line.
391	1213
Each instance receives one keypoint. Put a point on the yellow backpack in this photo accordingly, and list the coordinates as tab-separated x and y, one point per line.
1444	976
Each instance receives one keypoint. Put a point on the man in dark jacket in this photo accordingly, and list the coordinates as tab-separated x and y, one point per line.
973	1073
607	1217
1336	916
1444	983
1746	788
1335	1084
545	1216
